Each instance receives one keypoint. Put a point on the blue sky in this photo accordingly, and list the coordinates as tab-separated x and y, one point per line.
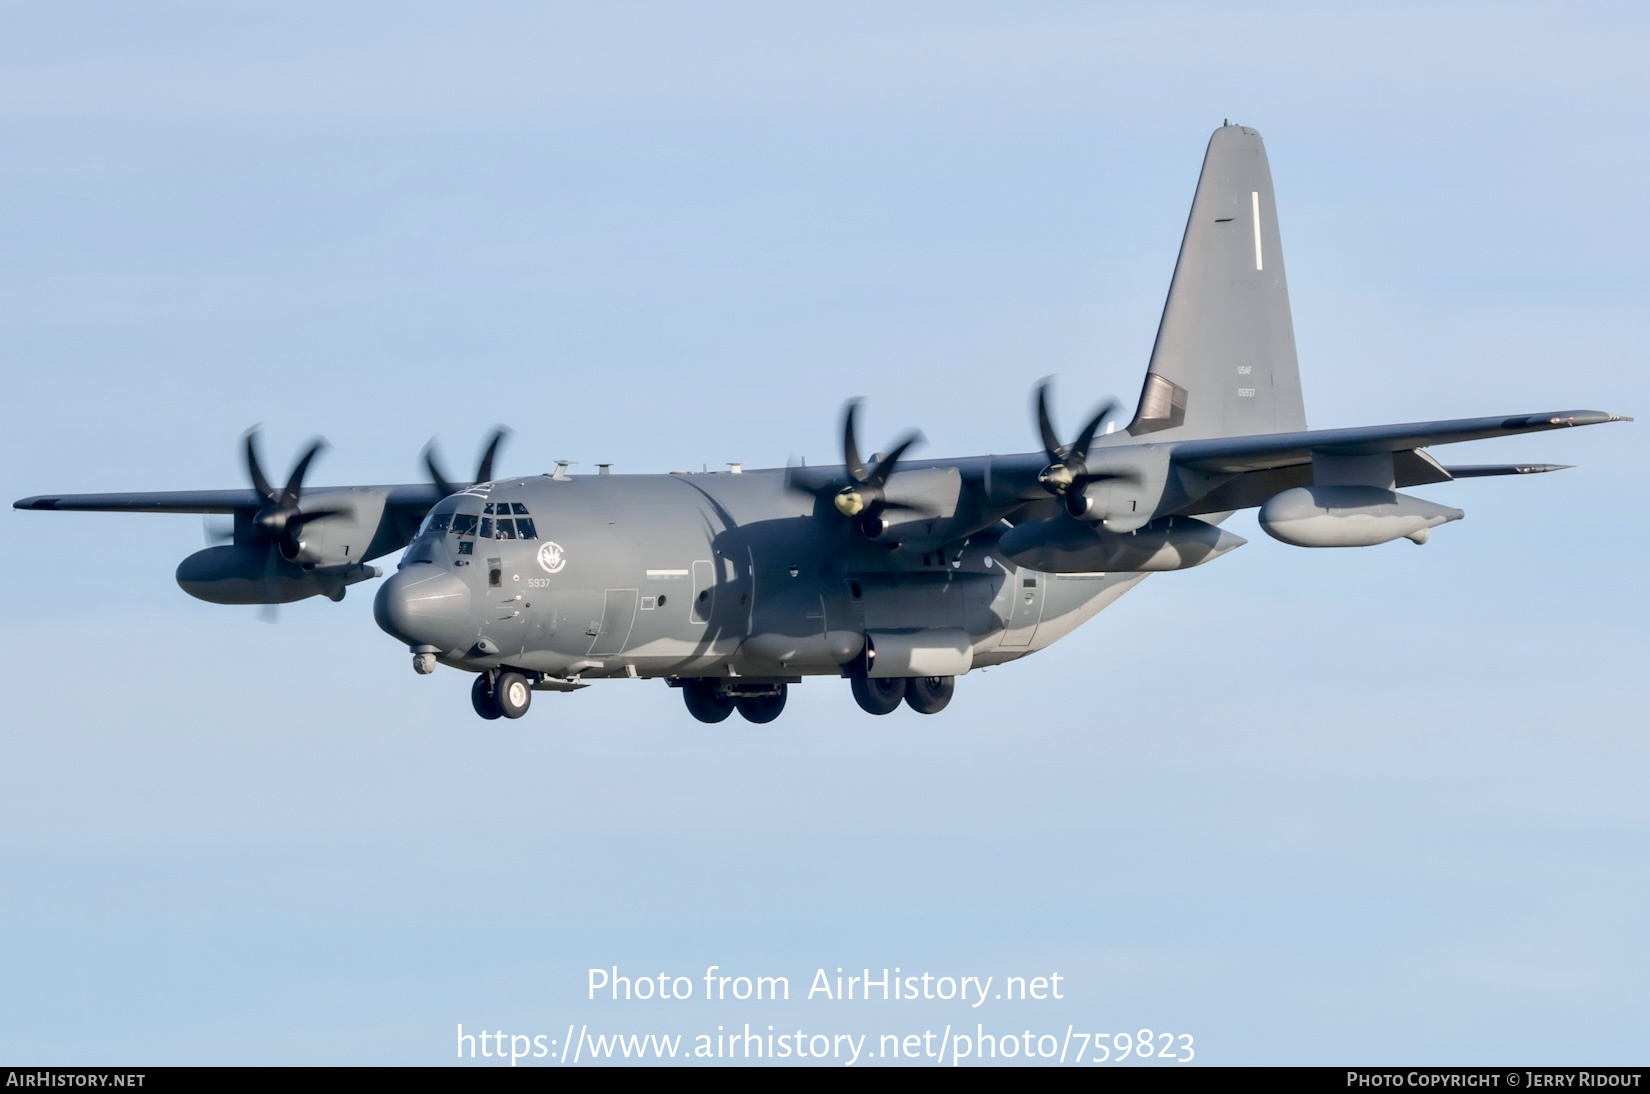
1377	806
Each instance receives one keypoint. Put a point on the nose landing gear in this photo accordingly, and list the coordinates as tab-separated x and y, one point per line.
508	695
481	697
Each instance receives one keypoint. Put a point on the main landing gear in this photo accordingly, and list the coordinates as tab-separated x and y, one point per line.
713	700
923	694
501	695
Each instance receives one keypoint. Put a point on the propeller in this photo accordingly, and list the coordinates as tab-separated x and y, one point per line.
484	469
280	518
864	494
1068	472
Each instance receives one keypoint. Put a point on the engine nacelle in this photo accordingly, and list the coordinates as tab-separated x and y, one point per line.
922	509
340	540
1350	516
1065	546
256	574
1132	494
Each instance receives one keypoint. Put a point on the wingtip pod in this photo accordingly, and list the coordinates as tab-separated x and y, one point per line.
1577	417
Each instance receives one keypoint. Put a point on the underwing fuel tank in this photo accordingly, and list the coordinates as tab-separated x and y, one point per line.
1350	516
1066	546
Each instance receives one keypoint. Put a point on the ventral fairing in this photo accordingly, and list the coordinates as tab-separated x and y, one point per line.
898	572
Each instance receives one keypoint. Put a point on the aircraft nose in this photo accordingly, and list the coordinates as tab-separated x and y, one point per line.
423	605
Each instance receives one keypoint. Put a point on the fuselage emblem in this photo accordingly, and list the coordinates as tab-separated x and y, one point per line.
551	558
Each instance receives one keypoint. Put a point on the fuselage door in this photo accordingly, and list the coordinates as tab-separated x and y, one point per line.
618	614
704	591
1025	608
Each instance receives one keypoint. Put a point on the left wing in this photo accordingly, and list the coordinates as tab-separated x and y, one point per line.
1235	455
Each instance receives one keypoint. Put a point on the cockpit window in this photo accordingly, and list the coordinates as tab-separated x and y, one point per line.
501	520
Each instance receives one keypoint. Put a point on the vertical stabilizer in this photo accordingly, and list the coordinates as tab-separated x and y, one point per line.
1224	363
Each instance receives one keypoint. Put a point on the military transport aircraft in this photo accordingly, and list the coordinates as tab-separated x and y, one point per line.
900	574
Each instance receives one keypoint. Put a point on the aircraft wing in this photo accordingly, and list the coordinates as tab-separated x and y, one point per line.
418	496
1236	455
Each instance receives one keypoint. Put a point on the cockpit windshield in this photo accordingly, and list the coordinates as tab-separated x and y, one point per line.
496	520
506	520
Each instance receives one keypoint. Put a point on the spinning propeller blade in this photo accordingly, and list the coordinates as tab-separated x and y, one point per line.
281	519
1067	471
484	467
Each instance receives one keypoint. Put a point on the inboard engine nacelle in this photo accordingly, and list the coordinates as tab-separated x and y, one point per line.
1350	516
1066	546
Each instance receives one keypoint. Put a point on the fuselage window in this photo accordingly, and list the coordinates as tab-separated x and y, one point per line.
436	524
464	524
525	529
488	509
518	509
486	528
506	528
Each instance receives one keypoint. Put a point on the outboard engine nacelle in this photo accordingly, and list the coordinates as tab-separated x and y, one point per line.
257	574
1350	516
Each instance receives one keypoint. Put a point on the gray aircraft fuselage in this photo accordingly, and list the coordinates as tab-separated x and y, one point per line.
706	575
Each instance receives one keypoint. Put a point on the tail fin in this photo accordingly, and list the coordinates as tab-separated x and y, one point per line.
1224	363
